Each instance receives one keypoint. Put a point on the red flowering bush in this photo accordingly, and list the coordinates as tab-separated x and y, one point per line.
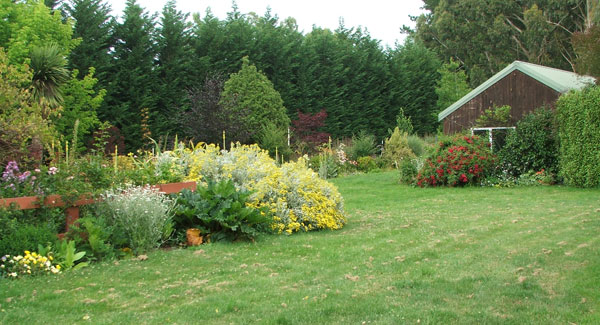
458	161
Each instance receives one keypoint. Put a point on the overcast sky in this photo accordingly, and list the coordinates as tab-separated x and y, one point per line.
382	18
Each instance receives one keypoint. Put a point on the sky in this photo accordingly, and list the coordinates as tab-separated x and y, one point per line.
382	18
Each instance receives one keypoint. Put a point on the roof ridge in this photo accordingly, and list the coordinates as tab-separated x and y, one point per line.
548	68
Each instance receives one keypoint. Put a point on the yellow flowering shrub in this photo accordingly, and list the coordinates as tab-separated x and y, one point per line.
295	195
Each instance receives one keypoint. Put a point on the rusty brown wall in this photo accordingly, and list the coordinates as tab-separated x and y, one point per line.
518	90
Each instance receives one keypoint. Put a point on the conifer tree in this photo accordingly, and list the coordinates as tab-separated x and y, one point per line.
249	89
175	58
132	85
94	25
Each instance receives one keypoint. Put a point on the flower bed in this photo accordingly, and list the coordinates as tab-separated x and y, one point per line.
295	195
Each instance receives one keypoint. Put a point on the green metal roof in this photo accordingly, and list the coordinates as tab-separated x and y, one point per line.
560	80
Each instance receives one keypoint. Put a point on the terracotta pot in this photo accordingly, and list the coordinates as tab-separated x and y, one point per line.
193	237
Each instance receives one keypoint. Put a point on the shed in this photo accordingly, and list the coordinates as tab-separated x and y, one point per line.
521	85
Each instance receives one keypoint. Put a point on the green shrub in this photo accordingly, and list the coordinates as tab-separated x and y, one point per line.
408	171
396	148
532	178
403	122
363	145
459	161
324	164
328	167
22	230
416	144
578	116
495	116
274	139
366	164
139	216
533	146
93	235
221	210
18	237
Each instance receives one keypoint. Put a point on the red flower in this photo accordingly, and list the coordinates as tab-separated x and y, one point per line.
463	178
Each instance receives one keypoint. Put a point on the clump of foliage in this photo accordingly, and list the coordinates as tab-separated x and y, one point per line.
140	217
363	144
458	161
416	144
408	171
93	235
80	101
274	140
535	178
222	211
578	119
325	163
533	146
22	119
403	122
366	164
587	47
495	116
20	232
396	148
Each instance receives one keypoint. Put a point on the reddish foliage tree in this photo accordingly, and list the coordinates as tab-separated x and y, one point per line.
307	128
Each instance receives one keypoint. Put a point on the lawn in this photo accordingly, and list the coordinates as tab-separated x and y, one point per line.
407	255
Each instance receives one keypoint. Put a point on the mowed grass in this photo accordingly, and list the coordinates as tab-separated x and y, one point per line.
407	255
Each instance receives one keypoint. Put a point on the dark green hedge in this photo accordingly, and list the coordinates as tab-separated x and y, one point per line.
533	146
579	135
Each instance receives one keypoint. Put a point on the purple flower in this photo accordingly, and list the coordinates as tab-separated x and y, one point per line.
24	176
9	171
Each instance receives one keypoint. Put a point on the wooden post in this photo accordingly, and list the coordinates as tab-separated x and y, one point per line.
72	214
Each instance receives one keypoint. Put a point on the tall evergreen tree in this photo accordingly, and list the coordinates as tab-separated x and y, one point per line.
277	53
94	25
132	88
175	58
415	69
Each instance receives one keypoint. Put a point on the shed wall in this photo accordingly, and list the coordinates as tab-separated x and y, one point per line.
521	92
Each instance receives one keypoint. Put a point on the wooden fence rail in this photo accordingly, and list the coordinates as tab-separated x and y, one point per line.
72	210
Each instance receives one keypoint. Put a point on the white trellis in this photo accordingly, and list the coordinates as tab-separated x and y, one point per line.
490	132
